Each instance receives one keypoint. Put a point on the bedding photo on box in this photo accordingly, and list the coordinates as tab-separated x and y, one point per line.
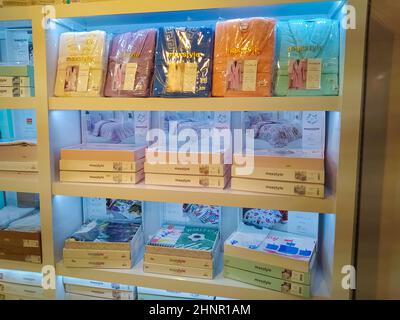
284	133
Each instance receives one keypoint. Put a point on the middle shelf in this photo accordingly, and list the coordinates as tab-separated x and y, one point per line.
226	197
321	103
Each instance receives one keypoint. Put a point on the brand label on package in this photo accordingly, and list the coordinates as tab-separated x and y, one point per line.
130	76
249	75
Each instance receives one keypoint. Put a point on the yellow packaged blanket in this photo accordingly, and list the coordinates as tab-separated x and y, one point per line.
82	59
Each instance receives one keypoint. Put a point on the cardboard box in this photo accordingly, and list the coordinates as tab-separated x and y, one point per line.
100	166
270	283
187	181
21	290
306	170
98	284
18	153
20	257
186	253
21	242
17	71
134	246
178	261
74	296
187	169
103	152
8	296
145	296
105	255
13	92
172	157
178	270
19	166
268	251
267	270
100	293
98	264
21	277
175	294
101	177
278	187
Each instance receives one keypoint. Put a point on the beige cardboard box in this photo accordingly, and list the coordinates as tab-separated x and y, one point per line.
19	166
187	180
306	170
101	152
97	263
103	255
178	270
278	187
18	153
178	261
189	169
101	166
99	292
101	177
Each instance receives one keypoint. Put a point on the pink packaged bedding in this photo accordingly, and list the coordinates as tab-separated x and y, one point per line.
131	64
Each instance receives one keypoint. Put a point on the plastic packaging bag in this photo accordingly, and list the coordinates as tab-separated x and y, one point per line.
131	64
243	57
183	62
81	64
308	58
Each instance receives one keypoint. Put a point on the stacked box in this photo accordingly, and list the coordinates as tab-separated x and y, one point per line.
20	236
275	260
104	244
18	156
286	157
21	285
102	163
186	251
158	294
199	162
16	81
81	289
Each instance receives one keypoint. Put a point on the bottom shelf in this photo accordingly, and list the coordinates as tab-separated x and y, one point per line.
20	266
219	286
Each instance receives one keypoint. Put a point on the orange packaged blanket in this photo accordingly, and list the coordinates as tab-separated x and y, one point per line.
243	58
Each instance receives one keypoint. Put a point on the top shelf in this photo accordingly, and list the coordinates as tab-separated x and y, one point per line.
129	6
198	104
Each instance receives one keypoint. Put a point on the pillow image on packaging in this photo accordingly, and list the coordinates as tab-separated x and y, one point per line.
243	58
183	62
131	64
308	58
82	59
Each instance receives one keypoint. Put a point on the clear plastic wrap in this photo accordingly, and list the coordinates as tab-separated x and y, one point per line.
131	64
126	127
286	133
243	58
183	62
308	57
82	61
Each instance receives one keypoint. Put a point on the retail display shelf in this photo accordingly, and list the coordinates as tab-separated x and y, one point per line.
128	6
219	286
19	181
18	103
199	104
225	197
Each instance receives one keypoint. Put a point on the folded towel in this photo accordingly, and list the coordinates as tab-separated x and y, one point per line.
131	64
243	57
183	62
81	64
